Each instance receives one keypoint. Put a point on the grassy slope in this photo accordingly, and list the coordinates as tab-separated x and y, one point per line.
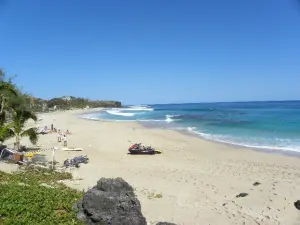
34	196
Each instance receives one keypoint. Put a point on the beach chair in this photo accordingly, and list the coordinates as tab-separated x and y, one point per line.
7	154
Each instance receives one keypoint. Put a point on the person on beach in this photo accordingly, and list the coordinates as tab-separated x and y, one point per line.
59	137
65	140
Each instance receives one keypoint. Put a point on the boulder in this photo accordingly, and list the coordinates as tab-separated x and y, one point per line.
111	202
297	204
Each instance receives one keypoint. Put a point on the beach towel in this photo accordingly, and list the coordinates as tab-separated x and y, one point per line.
72	149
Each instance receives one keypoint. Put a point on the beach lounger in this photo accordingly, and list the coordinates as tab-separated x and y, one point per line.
9	154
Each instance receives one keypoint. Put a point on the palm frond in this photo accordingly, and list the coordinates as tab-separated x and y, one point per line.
22	115
2	74
2	117
6	132
27	114
9	88
32	134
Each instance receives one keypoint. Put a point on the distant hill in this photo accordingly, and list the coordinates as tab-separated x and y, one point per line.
11	96
68	102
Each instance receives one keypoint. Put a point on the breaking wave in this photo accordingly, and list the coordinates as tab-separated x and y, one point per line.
255	143
119	113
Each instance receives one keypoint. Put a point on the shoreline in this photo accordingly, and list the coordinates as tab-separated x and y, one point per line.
247	148
185	131
197	180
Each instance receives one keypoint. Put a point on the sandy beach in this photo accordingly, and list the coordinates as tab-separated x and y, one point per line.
194	181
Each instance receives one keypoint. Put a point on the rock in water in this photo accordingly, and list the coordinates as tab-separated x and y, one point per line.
111	202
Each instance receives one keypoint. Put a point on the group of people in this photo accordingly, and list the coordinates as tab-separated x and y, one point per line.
63	137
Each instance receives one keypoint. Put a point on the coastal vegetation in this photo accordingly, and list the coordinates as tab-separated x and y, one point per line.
35	196
66	103
14	113
18	129
30	196
71	102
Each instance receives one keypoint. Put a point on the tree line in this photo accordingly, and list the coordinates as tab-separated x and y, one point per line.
69	102
17	107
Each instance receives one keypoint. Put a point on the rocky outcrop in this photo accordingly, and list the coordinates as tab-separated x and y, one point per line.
111	202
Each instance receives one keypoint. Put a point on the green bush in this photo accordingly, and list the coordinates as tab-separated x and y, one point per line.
34	196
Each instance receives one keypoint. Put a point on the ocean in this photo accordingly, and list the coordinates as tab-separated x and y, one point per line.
262	125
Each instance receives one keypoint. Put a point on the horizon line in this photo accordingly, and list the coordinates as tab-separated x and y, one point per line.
209	102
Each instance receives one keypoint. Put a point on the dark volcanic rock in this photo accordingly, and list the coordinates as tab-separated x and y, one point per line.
297	204
165	223
241	195
256	184
111	202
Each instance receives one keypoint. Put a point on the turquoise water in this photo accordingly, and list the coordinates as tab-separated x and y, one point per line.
265	125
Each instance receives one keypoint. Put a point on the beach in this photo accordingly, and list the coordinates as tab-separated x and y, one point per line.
194	181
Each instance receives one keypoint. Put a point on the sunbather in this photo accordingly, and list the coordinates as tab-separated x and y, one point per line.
43	131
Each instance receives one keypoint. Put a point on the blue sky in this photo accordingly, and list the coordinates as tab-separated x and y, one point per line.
158	51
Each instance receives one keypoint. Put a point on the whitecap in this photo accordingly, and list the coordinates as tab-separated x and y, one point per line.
119	113
191	129
137	109
172	116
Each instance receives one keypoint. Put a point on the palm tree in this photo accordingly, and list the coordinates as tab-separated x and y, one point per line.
13	104
17	126
7	91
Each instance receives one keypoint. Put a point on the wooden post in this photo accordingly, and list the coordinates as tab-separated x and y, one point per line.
53	154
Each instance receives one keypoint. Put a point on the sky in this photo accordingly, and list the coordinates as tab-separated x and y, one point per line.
158	51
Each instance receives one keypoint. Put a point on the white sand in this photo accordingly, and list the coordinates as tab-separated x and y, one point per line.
198	179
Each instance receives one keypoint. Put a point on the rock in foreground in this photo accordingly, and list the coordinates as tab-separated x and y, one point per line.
297	204
111	202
